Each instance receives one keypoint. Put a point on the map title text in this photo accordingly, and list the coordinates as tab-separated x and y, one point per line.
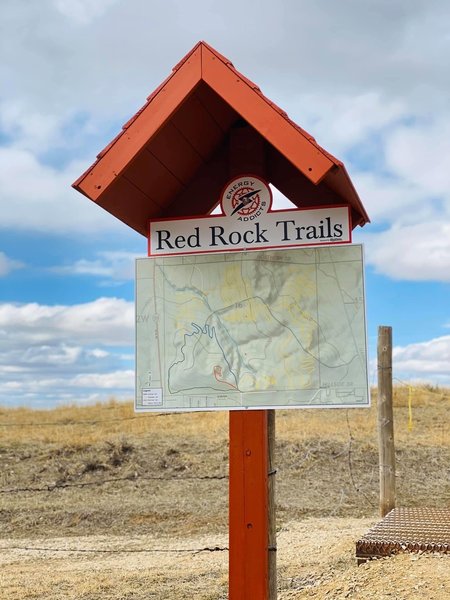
277	229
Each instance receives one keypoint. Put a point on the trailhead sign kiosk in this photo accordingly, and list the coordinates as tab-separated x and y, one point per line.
247	309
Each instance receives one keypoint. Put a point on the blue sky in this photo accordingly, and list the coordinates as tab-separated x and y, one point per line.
368	79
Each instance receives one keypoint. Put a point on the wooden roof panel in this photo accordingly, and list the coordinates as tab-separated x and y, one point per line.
175	152
195	199
197	125
115	202
153	178
220	111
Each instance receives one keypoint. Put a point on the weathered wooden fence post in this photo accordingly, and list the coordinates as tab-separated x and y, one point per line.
386	421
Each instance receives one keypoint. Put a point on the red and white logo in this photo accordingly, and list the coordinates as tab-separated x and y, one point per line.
246	198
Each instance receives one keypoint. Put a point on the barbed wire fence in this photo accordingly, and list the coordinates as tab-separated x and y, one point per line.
71	422
52	487
117	550
134	477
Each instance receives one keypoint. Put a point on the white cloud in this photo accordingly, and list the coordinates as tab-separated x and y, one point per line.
418	252
108	321
426	361
39	197
35	130
412	199
344	120
8	264
58	355
66	353
115	380
389	199
114	265
83	11
121	380
419	153
46	393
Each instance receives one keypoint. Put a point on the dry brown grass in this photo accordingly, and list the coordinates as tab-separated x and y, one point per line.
81	425
428	427
104	471
327	461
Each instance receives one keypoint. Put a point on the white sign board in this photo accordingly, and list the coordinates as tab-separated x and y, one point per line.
247	223
260	329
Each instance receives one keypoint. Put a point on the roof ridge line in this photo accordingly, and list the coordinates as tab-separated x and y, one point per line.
186	57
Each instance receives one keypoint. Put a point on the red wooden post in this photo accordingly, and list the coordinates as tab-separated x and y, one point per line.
249	460
248	506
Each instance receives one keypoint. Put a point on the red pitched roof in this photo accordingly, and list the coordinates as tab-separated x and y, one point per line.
171	157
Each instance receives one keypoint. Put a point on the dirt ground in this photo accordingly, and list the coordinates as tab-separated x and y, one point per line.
97	503
315	560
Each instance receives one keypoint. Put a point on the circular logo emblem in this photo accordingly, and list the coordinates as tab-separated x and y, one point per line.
246	198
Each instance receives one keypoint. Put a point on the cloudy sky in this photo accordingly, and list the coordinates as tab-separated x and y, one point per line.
368	78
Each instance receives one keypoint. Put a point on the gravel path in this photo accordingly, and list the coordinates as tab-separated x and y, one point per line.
316	559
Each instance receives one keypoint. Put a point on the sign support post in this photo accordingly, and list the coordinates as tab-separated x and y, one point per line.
249	450
272	525
204	124
248	508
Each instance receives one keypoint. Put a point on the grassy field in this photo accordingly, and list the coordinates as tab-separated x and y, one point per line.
102	477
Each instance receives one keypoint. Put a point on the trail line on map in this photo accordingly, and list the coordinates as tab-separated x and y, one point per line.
218	373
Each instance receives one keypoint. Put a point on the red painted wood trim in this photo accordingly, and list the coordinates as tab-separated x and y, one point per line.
248	506
304	154
157	112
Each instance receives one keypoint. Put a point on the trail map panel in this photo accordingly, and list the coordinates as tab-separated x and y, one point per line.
260	329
